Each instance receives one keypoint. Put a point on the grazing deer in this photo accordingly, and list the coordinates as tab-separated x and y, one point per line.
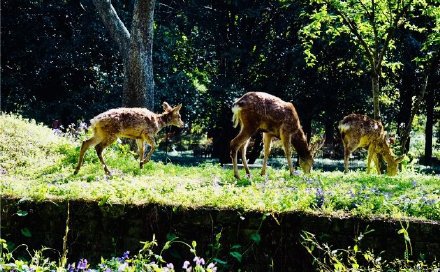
258	111
136	123
357	131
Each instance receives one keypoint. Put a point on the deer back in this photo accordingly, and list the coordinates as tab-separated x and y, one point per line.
266	112
126	122
361	131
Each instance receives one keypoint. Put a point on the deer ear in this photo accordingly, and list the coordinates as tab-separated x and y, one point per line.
316	145
400	159
177	108
166	106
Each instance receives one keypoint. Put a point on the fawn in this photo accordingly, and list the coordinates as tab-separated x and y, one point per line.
358	131
136	123
258	111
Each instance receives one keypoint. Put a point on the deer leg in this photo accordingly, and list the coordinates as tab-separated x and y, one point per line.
99	148
267	139
85	145
140	145
285	139
347	154
243	157
371	156
150	141
235	145
377	164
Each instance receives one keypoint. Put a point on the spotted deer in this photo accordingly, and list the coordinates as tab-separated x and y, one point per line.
360	131
258	111
136	123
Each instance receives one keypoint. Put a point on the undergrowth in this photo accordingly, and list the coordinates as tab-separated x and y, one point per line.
37	163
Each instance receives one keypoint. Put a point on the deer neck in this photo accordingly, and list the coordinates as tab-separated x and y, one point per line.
387	154
163	120
299	141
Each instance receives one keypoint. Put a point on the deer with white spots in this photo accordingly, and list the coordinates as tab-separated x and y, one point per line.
135	123
360	131
258	111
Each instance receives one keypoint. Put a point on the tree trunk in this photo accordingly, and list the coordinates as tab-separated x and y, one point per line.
136	49
404	145
429	126
375	87
139	88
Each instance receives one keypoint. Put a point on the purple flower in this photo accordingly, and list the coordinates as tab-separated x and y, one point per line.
319	197
212	267
82	264
122	267
71	267
414	183
57	132
124	257
199	261
186	265
170	266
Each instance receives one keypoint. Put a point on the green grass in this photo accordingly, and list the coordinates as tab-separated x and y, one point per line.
37	164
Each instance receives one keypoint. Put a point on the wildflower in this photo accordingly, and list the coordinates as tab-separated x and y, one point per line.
211	266
319	197
57	132
71	267
124	257
186	266
82	126
169	268
199	261
82	264
414	184
122	267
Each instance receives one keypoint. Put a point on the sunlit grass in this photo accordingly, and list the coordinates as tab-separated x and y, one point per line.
35	163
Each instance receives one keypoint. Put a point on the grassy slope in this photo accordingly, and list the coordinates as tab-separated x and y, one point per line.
37	164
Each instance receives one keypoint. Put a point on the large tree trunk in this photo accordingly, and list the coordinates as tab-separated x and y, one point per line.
139	89
136	49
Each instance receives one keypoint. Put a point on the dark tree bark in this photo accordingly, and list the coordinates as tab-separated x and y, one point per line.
429	126
432	66
136	49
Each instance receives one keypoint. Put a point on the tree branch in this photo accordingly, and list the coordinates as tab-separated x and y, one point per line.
116	27
354	29
391	31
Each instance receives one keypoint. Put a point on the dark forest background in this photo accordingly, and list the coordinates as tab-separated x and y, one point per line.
59	63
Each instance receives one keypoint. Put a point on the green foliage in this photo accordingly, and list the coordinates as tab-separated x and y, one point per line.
145	260
45	171
357	259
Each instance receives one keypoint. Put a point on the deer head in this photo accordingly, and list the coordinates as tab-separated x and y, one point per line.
172	115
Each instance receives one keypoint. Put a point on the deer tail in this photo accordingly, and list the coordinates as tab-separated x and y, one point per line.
236	115
343	127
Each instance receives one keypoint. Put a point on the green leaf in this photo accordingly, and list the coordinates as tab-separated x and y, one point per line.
171	237
22	213
236	246
256	238
237	255
220	261
26	232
